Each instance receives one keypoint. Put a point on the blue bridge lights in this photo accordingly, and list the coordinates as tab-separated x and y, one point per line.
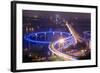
39	42
45	37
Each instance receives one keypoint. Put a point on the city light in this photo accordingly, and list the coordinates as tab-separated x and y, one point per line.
50	36
61	40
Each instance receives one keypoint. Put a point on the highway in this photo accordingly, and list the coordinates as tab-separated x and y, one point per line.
60	54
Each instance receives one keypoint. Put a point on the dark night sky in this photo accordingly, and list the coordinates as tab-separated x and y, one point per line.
67	15
81	21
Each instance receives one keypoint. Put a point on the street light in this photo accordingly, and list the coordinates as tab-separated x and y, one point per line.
61	40
61	43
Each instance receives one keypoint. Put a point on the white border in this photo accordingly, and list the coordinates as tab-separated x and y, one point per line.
21	65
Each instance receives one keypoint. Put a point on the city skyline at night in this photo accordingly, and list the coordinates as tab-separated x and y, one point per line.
42	31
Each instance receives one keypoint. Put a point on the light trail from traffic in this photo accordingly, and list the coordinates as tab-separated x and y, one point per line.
54	50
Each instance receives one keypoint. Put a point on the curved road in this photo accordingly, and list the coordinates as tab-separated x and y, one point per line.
60	54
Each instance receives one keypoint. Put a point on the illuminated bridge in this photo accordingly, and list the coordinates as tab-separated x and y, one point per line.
71	48
38	42
45	37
